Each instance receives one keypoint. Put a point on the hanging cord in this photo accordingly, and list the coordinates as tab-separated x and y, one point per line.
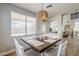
42	6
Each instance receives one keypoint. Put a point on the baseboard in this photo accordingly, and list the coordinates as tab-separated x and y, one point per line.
8	52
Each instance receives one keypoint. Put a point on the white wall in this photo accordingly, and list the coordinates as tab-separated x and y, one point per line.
5	38
0	28
6	42
58	19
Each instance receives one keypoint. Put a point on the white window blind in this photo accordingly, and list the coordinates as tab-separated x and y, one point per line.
31	25
17	24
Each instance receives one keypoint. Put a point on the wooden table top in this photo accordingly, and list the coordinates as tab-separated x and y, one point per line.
41	45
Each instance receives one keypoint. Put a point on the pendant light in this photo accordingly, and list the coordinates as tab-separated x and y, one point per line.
42	15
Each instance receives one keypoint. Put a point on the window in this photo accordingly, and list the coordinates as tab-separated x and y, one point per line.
18	24
43	28
31	25
76	26
75	16
54	26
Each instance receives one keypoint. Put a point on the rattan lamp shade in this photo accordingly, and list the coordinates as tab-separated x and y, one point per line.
42	15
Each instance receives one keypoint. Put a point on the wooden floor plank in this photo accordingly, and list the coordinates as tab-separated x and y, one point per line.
71	47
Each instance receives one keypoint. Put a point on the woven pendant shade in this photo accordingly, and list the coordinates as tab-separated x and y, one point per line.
42	15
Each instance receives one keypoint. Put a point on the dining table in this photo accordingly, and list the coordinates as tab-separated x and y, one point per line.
40	45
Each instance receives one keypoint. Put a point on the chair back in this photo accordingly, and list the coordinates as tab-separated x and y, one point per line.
19	48
62	49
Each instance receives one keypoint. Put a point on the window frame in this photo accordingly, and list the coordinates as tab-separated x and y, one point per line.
16	20
24	26
31	23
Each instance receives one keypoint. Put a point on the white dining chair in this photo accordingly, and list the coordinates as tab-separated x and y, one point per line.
20	50
62	49
59	51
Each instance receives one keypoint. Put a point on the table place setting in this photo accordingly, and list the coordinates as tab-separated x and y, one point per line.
35	42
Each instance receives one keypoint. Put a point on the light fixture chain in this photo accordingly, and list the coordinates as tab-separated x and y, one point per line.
42	6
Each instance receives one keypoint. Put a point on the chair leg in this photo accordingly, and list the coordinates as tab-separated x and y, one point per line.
44	54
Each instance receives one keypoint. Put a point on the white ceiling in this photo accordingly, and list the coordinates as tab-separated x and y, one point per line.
58	8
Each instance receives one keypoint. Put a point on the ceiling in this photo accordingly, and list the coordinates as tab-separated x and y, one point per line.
57	8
